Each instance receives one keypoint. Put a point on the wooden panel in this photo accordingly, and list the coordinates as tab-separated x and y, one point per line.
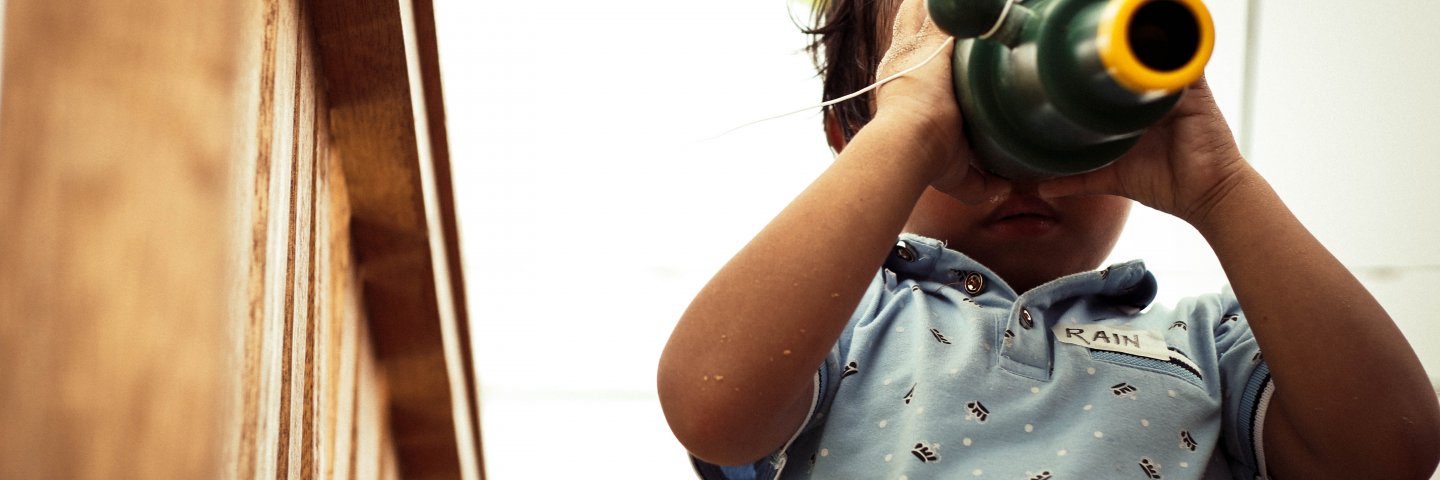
179	295
377	105
338	436
117	276
314	403
425	61
337	296
256	381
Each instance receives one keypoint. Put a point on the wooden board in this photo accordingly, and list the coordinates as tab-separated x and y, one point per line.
400	226
211	269
315	403
118	279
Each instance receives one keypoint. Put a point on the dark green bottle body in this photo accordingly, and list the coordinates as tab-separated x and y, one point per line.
1039	100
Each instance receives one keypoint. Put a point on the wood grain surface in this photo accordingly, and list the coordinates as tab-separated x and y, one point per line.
229	247
400	225
316	402
118	274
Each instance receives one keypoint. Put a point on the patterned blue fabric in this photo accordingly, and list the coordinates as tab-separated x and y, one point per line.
1169	367
946	372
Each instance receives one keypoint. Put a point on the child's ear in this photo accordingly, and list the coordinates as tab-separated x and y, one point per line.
834	135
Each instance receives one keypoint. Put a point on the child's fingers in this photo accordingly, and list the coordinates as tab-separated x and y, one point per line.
1198	99
1099	182
911	34
991	186
910	18
973	186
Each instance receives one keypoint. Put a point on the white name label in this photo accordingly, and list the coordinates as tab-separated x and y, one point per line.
1144	343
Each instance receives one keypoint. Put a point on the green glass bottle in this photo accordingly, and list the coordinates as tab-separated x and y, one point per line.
1059	87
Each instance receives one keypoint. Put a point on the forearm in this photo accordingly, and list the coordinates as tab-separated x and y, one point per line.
1331	348
750	342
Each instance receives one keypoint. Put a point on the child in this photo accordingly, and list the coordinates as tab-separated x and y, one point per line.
984	344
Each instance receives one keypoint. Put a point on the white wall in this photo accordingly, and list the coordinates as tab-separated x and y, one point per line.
1347	128
594	203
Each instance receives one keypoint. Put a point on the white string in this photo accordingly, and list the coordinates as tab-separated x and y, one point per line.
857	93
1004	12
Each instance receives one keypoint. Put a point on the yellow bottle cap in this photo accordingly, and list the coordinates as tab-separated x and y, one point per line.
1155	45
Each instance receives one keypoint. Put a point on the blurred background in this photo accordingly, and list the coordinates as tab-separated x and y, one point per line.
596	192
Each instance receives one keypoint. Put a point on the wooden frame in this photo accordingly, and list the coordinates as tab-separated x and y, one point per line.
227	244
381	70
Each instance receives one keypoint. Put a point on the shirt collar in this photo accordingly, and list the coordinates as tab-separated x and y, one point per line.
1128	286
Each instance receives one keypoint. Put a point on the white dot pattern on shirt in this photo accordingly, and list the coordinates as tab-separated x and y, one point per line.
1027	427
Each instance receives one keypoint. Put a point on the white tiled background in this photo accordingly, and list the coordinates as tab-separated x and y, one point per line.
594	201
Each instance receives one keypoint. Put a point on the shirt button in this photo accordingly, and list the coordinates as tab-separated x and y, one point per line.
974	283
1025	320
904	251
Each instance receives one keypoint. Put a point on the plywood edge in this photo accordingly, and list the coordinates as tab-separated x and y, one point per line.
403	225
428	56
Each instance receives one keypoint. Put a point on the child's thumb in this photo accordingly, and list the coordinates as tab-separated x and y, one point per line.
1091	183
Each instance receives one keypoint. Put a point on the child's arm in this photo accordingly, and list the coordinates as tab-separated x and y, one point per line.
1351	399
735	378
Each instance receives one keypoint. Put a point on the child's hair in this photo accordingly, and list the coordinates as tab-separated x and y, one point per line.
844	43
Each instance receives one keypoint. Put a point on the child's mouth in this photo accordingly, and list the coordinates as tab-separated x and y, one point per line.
1022	216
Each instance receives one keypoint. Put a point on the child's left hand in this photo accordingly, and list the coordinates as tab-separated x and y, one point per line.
1181	166
1326	352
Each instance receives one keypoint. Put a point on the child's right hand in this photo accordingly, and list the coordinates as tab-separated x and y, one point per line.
924	101
736	379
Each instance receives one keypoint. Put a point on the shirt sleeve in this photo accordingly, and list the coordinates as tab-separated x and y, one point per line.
838	363
1246	389
826	381
707	471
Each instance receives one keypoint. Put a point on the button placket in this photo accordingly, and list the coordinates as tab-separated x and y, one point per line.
904	252
1026	350
974	283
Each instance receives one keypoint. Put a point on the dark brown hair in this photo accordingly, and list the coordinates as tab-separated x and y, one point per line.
844	45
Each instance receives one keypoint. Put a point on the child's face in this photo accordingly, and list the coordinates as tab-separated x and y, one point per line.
1023	238
1026	240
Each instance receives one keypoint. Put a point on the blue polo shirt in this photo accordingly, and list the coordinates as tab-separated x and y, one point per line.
945	372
